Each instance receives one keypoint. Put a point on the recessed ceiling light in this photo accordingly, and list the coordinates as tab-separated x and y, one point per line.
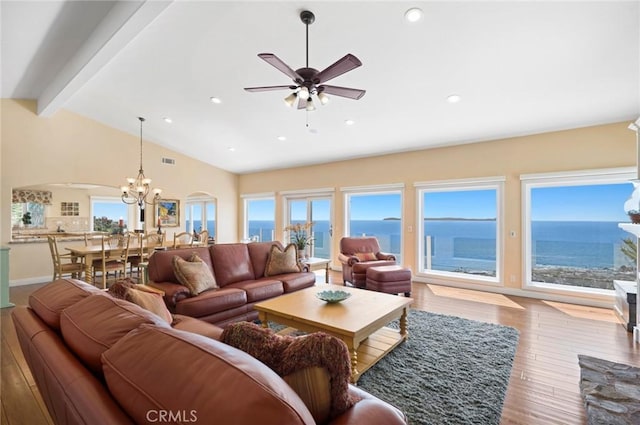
231	149
167	120
349	122
282	138
215	100
413	15
454	98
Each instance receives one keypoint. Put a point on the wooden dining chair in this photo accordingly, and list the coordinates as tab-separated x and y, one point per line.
147	243
64	264
116	263
182	240
203	237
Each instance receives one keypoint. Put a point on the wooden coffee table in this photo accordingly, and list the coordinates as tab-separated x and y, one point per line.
359	320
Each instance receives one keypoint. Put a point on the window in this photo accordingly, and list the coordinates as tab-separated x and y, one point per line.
313	207
201	210
260	218
107	213
27	214
572	238
460	229
376	212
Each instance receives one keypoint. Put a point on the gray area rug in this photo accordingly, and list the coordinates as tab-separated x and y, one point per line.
449	371
611	391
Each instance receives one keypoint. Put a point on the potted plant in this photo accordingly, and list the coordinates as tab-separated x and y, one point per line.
300	236
26	218
634	215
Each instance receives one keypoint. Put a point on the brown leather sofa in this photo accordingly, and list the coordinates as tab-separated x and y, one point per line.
239	272
354	269
101	360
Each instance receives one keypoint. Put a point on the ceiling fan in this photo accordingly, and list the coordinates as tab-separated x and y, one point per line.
309	82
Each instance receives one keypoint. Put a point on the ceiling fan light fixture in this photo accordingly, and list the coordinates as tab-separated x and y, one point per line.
291	99
303	92
310	105
323	98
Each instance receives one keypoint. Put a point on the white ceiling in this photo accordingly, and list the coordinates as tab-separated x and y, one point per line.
520	67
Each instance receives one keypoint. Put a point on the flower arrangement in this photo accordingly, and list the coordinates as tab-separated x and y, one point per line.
300	234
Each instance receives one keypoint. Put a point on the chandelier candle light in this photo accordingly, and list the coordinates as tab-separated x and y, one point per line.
137	189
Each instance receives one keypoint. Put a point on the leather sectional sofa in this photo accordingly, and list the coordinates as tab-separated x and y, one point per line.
239	271
101	360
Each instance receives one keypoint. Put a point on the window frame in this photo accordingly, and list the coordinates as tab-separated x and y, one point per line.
202	201
437	276
562	179
132	222
246	199
392	189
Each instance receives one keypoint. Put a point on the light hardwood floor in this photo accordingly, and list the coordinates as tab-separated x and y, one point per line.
544	384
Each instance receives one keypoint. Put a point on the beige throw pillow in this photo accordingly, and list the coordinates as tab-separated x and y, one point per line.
281	262
366	256
194	274
149	301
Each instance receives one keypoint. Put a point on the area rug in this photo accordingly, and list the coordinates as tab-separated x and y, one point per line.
611	391
449	371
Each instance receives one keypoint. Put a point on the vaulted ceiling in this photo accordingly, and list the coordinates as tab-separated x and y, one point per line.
519	67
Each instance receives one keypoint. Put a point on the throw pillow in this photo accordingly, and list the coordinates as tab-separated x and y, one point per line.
194	274
366	256
296	360
151	301
281	262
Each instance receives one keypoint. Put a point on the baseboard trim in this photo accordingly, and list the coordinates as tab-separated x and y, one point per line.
600	301
29	281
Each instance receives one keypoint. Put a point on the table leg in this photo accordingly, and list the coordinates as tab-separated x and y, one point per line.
353	353
403	324
263	319
88	276
326	273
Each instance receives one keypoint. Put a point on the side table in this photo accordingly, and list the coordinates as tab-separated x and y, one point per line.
315	263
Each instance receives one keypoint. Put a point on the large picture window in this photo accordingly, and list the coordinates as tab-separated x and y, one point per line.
107	213
260	218
572	236
376	212
460	229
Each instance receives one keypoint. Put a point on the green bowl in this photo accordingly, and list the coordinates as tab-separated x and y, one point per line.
333	296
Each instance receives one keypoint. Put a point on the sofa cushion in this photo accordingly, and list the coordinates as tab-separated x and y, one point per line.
49	301
141	295
232	263
261	289
210	302
366	256
259	253
196	326
161	267
195	274
94	324
287	355
282	261
219	385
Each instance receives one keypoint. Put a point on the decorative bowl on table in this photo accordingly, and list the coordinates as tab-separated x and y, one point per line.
333	296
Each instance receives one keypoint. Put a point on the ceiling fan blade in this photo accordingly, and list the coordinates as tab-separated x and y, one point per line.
275	61
267	88
342	91
302	103
346	64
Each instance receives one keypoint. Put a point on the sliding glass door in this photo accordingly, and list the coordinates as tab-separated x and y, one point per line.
317	212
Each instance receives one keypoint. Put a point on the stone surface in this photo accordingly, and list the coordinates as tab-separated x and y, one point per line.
611	391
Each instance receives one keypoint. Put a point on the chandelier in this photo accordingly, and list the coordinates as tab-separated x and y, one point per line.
136	190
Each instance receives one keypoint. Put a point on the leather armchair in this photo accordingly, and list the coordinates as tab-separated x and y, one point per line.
353	257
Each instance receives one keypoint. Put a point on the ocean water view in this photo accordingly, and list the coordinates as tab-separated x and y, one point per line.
469	246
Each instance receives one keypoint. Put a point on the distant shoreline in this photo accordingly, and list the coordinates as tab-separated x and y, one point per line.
444	219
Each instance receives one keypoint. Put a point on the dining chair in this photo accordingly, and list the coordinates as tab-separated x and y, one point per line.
182	240
145	247
114	263
203	237
64	263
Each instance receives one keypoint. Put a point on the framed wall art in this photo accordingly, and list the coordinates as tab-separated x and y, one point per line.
167	213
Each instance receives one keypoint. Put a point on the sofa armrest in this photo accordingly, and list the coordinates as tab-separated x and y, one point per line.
303	267
173	292
386	256
348	259
369	410
196	326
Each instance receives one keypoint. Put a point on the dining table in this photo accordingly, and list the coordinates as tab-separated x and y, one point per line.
94	252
